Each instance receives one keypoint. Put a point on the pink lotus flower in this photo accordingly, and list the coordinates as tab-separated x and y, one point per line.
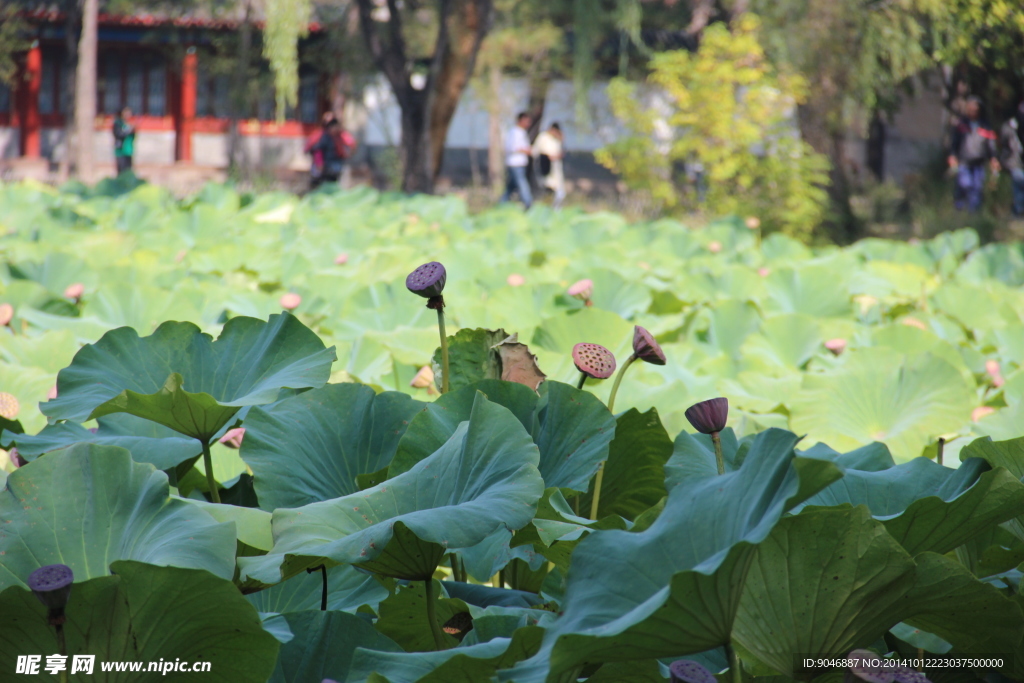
52	393
582	289
714	246
6	314
515	280
74	291
764	272
290	301
993	370
753	222
836	346
233	437
423	379
980	412
341	259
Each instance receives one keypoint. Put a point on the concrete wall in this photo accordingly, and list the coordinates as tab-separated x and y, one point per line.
211	149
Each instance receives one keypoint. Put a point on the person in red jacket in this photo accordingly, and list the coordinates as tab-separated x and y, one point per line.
330	147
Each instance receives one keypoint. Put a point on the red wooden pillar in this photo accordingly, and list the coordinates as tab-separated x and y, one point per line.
186	106
28	102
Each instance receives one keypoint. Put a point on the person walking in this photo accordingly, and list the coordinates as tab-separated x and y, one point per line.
549	151
1011	146
329	147
973	145
517	156
124	140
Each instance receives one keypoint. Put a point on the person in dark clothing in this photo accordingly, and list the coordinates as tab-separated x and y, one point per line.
330	148
1011	147
124	140
973	145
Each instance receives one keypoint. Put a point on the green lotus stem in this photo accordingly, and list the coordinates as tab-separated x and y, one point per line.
596	500
208	465
444	351
455	567
735	668
435	629
719	460
615	387
63	649
583	380
938	452
501	578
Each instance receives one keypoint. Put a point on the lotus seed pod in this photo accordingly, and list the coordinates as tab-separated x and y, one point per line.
764	272
52	585
74	291
427	280
52	393
906	675
290	301
980	412
423	379
516	280
9	406
688	671
714	246
753	222
866	672
646	348
341	259
836	346
6	314
233	437
594	360
709	417
581	289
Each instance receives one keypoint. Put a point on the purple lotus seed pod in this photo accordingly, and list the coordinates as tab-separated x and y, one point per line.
646	348
688	671
593	360
906	675
709	417
427	280
52	585
866	670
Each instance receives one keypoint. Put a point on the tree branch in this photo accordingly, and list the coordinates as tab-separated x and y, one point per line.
389	59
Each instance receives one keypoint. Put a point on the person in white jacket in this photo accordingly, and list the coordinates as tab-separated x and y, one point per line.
517	155
548	151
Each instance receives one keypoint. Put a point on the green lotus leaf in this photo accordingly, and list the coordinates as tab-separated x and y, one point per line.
252	525
348	589
871	458
816	288
674	588
29	385
784	343
323	645
572	428
107	508
252	362
554	338
880	395
313	446
402	617
471	357
145	614
484	477
693	455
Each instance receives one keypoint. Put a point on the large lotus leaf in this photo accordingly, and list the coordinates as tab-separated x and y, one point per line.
311	447
252	362
910	340
348	589
818	289
729	324
323	644
634	474
571	427
784	344
674	588
402	617
693	455
870	458
87	506
484	477
466	664
148	442
823	582
50	352
554	338
881	395
471	357
145	614
29	385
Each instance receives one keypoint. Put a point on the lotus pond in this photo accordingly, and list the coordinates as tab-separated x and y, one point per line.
330	493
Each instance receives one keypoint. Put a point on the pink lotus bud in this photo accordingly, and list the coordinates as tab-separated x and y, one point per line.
764	272
290	301
515	280
980	412
709	417
9	406
233	437
714	246
593	360
341	259
6	313
423	379
582	289
52	393
753	222
914	322
74	291
992	367
646	348
836	346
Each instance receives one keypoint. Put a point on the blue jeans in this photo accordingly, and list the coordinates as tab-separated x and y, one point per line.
970	182
1017	177
515	181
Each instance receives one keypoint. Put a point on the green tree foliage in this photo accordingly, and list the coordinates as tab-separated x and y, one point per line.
287	22
732	112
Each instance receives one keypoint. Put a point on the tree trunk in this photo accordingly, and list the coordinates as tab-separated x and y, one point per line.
415	152
496	146
535	105
816	131
71	32
85	91
875	146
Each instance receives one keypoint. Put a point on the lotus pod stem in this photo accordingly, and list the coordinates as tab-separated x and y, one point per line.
435	628
735	667
599	480
719	459
444	349
208	466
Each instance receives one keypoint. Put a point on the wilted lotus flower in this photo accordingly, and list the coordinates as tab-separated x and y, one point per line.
52	585
582	290
709	417
427	280
646	348
52	393
753	222
6	314
914	322
290	301
593	360
688	671
515	280
15	457
9	406
980	412
74	291
233	437
423	379
836	346
714	246
341	259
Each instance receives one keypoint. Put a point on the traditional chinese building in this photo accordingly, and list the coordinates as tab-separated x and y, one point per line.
160	67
